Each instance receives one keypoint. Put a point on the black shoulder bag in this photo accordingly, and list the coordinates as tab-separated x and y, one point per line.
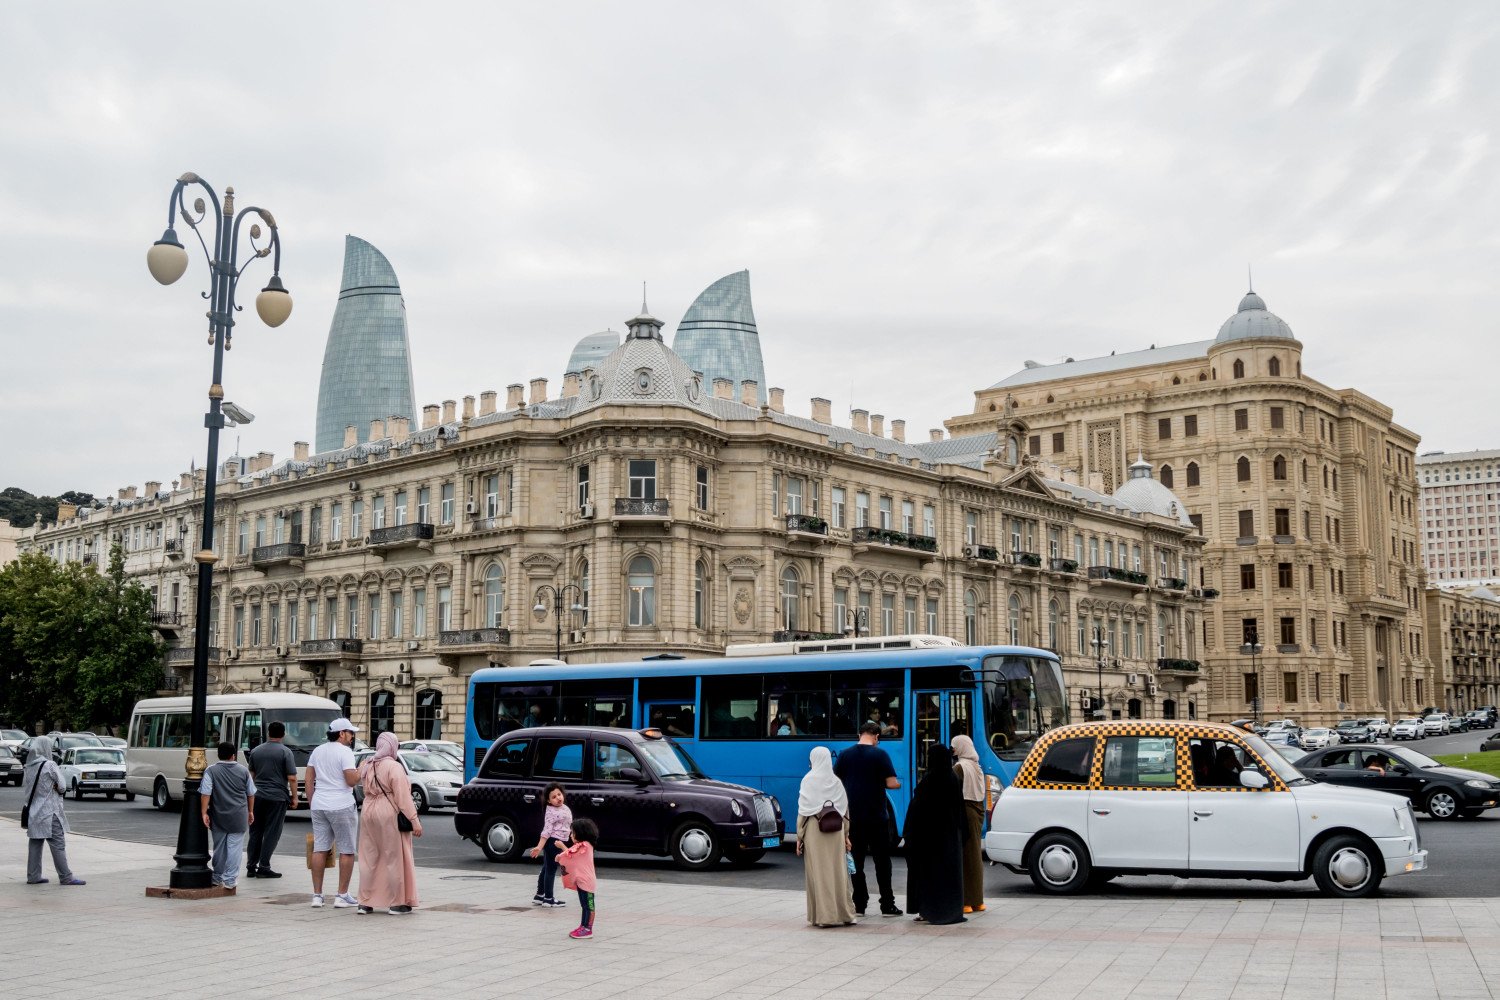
26	809
402	823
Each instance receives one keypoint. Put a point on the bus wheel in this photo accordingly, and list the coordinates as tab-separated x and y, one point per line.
499	840
695	846
160	798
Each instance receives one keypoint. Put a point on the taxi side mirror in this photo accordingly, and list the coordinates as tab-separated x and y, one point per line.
633	774
1253	779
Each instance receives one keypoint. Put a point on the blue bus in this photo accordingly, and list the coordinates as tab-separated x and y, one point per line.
753	716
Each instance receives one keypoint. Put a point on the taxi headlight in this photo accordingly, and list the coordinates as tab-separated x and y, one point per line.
736	808
1477	783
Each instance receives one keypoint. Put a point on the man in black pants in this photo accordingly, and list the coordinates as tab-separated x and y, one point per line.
866	772
275	772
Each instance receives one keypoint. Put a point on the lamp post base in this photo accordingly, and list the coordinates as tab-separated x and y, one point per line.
192	871
168	892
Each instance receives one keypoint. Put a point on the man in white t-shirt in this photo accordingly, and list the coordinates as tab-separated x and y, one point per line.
331	777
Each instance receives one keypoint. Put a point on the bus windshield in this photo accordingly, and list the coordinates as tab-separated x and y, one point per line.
306	728
1022	700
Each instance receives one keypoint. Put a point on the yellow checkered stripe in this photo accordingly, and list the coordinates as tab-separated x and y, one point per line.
1180	732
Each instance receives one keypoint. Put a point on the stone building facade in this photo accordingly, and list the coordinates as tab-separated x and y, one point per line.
672	516
1465	629
1460	520
1306	495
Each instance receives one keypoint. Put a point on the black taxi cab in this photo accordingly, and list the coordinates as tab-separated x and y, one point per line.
644	792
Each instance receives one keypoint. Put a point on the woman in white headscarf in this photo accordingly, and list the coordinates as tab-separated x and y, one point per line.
966	768
830	901
43	791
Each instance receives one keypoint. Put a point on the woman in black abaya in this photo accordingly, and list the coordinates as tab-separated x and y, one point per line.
934	832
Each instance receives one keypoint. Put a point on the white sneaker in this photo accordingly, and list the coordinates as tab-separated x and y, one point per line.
317	900
343	900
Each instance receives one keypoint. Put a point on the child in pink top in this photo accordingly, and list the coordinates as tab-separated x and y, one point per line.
578	865
557	825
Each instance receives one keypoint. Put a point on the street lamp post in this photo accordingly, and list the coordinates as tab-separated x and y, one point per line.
558	595
168	260
1098	645
1251	648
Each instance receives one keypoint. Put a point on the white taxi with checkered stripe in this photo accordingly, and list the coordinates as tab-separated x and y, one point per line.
1195	800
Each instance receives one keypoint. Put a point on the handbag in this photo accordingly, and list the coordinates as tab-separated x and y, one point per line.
402	822
830	820
26	809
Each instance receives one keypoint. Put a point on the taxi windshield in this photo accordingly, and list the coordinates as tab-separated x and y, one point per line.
670	761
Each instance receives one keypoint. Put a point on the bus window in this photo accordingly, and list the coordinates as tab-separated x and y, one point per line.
672	718
147	731
177	730
1021	701
500	708
731	707
251	736
873	696
797	705
595	703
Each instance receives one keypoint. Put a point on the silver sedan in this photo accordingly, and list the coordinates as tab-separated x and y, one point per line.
435	778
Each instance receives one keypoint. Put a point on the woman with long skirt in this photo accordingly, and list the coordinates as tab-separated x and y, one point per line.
934	834
971	778
387	873
43	789
830	901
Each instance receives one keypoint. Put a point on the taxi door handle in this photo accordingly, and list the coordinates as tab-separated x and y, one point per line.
1101	812
1203	812
596	800
528	798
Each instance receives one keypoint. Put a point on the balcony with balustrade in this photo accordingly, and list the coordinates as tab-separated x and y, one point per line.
632	512
414	535
315	651
266	557
871	539
455	644
807	528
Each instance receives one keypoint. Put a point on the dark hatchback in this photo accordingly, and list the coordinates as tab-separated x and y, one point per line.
1441	791
645	793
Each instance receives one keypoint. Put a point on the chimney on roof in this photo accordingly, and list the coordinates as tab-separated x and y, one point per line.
468	408
877	424
860	420
538	390
723	388
400	429
266	459
450	411
487	402
515	396
778	400
351	436
822	410
749	392
429	416
898	431
299	450
935	434
66	511
377	429
152	488
572	381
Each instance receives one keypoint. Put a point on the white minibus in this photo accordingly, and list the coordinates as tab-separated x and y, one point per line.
156	758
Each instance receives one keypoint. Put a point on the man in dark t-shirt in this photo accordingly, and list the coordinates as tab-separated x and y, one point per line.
867	772
275	771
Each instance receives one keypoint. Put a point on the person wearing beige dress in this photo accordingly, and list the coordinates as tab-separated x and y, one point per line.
966	767
387	873
830	900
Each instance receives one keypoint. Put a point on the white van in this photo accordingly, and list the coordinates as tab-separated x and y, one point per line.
156	758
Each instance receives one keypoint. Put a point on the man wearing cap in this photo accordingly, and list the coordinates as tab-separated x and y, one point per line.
331	777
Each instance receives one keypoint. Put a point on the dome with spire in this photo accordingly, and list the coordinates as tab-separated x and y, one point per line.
1142	493
643	370
1253	321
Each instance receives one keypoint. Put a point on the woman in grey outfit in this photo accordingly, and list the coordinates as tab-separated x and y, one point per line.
43	788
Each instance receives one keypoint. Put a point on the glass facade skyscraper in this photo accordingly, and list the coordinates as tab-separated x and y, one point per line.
718	337
367	362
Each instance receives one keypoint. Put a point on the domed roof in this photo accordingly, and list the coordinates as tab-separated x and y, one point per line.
1253	320
1141	492
591	350
643	370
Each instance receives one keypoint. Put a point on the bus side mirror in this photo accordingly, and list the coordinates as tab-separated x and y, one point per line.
633	774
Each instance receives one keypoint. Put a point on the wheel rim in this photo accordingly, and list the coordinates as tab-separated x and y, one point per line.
1349	868
160	796
1442	805
418	798
695	845
1058	864
501	838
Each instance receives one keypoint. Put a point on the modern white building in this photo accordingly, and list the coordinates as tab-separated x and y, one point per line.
1459	526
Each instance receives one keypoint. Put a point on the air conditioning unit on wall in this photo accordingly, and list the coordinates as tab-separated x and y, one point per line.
588	509
971	552
1133	680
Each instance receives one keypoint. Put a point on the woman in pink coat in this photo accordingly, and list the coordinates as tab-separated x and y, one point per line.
387	875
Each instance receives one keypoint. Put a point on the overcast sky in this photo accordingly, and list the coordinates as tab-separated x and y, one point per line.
926	195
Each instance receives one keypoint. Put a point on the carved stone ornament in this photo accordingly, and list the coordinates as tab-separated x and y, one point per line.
742	605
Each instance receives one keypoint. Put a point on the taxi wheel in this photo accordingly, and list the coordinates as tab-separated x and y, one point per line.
1346	866
695	846
1441	804
1058	864
500	841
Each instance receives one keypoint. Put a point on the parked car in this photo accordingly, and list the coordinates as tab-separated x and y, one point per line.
1490	743
1352	731
1288	751
1441	791
1457	724
1083	809
11	768
1477	719
644	791
454	750
1379	728
1407	729
112	741
1493	713
1290	735
1436	724
435	778
11	738
100	770
1313	739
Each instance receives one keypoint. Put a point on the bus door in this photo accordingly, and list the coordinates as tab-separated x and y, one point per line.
938	716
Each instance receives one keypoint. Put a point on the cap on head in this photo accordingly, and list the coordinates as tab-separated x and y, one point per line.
342	726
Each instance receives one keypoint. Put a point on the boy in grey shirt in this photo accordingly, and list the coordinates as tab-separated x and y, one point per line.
228	794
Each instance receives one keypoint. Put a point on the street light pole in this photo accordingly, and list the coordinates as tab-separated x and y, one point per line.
558	595
1251	648
1098	645
167	260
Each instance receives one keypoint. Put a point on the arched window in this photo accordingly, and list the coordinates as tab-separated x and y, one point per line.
1335	480
1133	708
1166	476
1013	620
1304	470
1203	376
700	594
1242	469
1053	633
1161	635
641	585
971	618
791	599
494	595
382	713
583	596
1176	379
1273	367
1325	477
1278	467
344	700
1192	710
429	707
213	621
1192	474
1169	709
1239	368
